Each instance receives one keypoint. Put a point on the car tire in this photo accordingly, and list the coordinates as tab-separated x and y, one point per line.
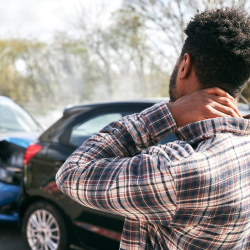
44	224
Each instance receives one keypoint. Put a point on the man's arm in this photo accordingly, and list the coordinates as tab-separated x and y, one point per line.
109	172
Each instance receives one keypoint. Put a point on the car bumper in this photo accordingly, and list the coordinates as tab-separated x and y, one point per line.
8	202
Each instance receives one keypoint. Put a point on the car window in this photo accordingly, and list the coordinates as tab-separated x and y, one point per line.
84	130
81	132
14	119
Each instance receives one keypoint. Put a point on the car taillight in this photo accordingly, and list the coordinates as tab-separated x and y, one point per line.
30	152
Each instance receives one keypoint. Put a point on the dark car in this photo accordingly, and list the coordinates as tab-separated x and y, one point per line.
49	217
17	130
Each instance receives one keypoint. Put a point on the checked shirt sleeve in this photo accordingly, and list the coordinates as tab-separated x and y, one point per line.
111	172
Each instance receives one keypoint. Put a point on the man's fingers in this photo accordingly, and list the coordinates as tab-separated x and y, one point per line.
222	97
215	114
219	92
203	104
225	101
227	111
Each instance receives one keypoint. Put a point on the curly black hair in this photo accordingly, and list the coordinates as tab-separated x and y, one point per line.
218	42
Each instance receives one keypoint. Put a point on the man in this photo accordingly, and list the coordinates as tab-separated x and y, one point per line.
193	193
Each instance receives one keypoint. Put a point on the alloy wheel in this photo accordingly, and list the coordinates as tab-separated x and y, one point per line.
42	231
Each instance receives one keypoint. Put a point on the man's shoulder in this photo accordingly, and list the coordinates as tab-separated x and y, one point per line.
205	130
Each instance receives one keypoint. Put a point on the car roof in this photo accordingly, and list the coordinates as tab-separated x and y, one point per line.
243	108
5	99
81	107
71	111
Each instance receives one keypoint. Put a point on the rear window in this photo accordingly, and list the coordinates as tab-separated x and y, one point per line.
83	131
15	119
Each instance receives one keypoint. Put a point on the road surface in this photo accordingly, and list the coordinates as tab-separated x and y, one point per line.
10	237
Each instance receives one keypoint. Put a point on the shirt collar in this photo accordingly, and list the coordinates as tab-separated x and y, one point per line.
205	129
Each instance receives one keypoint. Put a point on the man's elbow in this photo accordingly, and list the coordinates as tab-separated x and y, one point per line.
61	177
58	180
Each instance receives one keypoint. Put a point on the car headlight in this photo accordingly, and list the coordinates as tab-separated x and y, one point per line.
10	175
6	176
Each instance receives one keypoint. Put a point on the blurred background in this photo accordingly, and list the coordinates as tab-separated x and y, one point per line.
61	52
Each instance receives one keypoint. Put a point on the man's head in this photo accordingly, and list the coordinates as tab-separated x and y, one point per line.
216	53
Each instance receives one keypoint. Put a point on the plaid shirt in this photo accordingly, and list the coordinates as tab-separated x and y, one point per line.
193	193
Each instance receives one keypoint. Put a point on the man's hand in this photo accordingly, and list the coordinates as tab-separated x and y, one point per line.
201	105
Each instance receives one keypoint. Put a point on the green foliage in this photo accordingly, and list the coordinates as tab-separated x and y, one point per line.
13	83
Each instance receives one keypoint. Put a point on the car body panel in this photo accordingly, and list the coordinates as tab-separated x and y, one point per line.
4	218
9	195
20	139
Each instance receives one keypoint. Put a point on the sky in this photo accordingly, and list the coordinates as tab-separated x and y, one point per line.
41	18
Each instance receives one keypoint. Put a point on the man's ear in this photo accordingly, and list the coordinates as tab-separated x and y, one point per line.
186	66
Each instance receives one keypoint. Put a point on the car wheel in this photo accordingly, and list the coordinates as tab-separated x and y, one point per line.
43	228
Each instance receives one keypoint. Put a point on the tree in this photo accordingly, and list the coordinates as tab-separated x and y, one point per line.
167	19
212	4
165	22
91	26
15	82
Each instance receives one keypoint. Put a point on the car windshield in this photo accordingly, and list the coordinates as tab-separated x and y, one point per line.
14	119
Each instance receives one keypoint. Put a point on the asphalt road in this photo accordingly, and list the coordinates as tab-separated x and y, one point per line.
10	237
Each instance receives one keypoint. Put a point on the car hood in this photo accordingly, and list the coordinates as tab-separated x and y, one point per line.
18	138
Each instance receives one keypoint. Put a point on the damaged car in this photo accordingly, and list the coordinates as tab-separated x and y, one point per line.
17	130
